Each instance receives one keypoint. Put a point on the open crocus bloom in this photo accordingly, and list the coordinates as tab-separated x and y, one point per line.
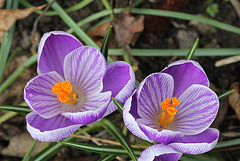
74	87
174	107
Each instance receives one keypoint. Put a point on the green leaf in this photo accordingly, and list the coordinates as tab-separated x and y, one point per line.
229	143
212	10
118	135
192	51
28	154
107	158
104	48
118	104
225	94
102	149
18	109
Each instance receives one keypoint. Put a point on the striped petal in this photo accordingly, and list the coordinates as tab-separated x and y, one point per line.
120	80
160	152
130	115
197	144
163	136
186	73
85	68
154	90
92	110
39	96
53	48
197	110
50	130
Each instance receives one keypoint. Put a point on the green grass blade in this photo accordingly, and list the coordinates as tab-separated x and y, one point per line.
225	94
177	52
14	76
118	104
7	116
28	154
107	158
54	148
225	144
118	135
104	48
102	149
18	109
69	21
192	51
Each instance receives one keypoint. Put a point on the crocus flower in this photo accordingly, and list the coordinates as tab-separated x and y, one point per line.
174	108
74	87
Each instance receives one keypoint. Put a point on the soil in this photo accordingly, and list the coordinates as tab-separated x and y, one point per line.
177	34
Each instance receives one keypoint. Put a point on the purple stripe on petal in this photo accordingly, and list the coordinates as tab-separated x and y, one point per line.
120	80
155	89
53	48
85	68
163	136
197	144
39	96
197	110
130	115
50	130
92	110
186	73
160	152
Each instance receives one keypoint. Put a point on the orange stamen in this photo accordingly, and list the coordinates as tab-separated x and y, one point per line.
64	92
167	116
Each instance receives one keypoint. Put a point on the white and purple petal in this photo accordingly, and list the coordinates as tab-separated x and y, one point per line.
186	73
120	80
152	92
92	110
160	152
85	68
197	110
39	97
50	130
130	115
163	136
52	50
197	144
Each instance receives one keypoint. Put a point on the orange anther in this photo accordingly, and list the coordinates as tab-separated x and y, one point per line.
172	111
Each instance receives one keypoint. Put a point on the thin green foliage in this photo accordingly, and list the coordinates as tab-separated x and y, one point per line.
118	104
16	109
225	94
107	158
192	51
102	149
28	154
105	44
118	135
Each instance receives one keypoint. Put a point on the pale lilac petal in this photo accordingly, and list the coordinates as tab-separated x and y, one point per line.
39	97
155	89
163	136
186	73
160	152
53	48
92	110
197	110
197	144
120	80
50	130
85	68
130	115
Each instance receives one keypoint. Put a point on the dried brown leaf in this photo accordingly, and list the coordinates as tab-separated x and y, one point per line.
234	99
128	29
2	2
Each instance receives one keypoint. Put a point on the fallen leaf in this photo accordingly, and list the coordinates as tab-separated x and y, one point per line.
234	99
2	2
9	16
128	29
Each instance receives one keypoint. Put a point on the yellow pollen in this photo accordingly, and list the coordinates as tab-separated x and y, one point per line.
167	116
64	92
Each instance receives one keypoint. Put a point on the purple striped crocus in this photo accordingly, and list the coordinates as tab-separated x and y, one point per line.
74	87
174	108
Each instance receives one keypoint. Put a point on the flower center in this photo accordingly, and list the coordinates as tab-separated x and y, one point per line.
64	92
168	113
